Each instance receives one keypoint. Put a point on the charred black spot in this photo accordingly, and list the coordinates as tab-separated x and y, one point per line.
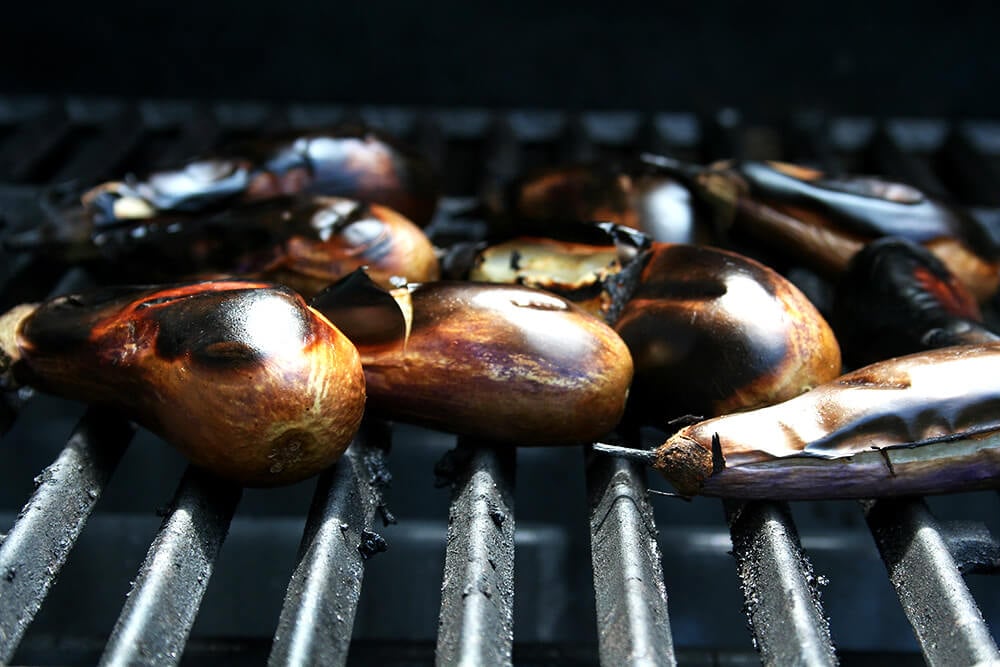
371	544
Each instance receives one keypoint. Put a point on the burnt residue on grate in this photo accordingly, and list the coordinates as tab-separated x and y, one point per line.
780	590
476	622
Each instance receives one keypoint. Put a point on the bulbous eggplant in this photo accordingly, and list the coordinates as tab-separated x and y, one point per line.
509	364
353	162
895	297
243	377
306	242
918	424
657	205
712	331
825	220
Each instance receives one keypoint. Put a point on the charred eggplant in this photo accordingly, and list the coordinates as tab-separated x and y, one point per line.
243	377
919	424
506	363
712	331
824	220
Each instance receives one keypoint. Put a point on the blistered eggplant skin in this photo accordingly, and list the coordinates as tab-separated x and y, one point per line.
918	424
243	377
712	331
505	363
824	220
896	297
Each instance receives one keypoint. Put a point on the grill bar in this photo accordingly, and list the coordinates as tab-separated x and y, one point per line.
633	626
161	607
945	618
476	623
40	541
780	589
318	613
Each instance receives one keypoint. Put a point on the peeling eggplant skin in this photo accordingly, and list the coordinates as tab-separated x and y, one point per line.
243	377
509	364
825	220
919	424
712	331
896	297
353	162
657	205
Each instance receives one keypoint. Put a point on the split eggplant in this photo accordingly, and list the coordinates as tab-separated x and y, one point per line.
243	377
895	297
919	424
506	363
824	220
306	242
712	331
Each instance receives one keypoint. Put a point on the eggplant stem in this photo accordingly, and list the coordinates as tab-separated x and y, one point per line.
646	456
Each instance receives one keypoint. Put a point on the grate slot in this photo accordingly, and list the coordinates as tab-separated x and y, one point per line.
782	597
476	623
198	133
318	613
162	605
102	153
945	618
37	546
633	626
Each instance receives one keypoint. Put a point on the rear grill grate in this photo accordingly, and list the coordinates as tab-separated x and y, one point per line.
45	142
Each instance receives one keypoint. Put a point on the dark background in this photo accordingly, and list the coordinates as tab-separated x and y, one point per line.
765	59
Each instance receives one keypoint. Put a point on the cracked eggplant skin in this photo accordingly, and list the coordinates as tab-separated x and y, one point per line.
712	332
348	161
918	424
242	377
896	298
503	363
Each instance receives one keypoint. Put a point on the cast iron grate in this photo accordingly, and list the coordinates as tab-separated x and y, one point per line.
45	141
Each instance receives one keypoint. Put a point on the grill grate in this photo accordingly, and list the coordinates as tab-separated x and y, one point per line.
45	141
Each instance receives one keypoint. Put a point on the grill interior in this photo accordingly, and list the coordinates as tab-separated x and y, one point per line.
157	563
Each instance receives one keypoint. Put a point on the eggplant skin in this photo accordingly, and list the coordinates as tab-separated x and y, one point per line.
712	332
919	424
243	377
504	363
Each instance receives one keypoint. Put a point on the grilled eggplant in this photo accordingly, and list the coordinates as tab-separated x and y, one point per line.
353	162
825	220
636	197
243	377
506	363
306	242
712	331
918	424
895	297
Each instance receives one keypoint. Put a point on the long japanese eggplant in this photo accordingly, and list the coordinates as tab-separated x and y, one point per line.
919	424
824	220
712	331
306	242
243	377
506	363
